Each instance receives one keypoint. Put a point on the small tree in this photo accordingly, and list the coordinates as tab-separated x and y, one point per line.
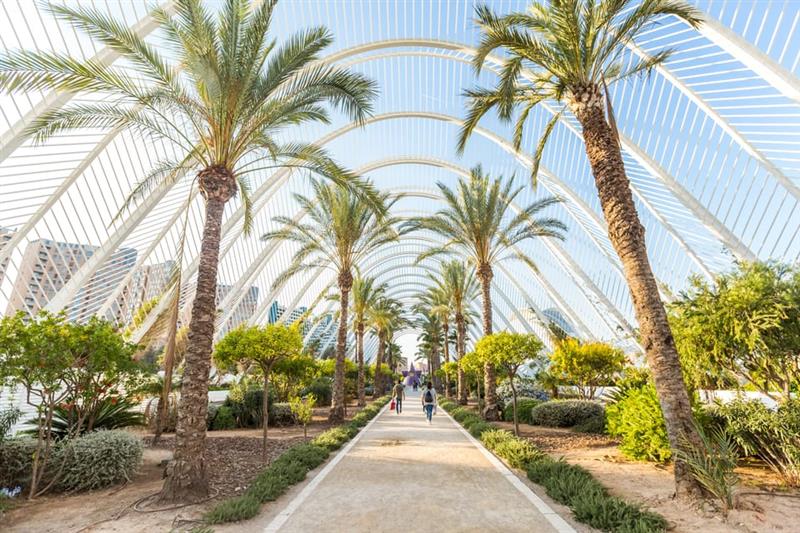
263	347
586	365
62	364
508	352
472	363
303	410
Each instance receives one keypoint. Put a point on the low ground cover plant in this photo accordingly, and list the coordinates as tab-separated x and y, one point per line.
568	484
290	468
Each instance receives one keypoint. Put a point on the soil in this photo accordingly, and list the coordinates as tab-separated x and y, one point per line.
763	505
234	458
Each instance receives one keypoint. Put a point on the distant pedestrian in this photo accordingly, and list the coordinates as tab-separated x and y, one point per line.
399	394
429	401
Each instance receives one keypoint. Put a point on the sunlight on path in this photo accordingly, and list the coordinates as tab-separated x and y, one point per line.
405	473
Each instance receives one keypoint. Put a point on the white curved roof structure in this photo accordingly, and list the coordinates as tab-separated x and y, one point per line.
711	143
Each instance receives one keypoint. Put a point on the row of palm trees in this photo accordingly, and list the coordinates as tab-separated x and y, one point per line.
230	93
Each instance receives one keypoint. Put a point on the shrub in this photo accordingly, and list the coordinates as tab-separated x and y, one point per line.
712	464
771	435
110	413
565	413
8	417
222	418
492	438
247	408
575	487
595	424
98	459
637	421
332	439
524	407
477	428
16	460
280	414
321	389
517	452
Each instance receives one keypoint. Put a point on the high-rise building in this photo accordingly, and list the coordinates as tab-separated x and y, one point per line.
277	312
48	265
5	235
146	283
244	310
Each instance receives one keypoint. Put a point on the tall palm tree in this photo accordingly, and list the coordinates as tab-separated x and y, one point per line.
221	104
343	228
457	281
430	339
384	318
570	51
366	293
478	221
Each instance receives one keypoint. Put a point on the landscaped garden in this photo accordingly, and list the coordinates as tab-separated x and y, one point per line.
616	326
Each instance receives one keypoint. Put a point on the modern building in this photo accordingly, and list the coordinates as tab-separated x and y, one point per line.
6	235
47	265
244	310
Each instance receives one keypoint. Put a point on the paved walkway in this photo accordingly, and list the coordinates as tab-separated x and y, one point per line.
402	473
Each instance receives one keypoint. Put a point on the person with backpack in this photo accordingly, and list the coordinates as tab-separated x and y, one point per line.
398	395
429	401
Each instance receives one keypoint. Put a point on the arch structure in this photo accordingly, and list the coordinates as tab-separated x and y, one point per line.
711	145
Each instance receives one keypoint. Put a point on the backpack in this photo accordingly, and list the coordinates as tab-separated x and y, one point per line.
428	396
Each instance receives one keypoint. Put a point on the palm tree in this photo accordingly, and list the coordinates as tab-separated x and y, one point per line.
366	293
430	339
384	318
457	281
222	105
478	222
570	51
343	229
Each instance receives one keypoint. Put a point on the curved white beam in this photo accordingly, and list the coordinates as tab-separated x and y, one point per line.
752	57
270	186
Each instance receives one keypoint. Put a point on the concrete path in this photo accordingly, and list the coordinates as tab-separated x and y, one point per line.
402	473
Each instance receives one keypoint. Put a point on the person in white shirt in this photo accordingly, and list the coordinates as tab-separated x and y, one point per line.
429	401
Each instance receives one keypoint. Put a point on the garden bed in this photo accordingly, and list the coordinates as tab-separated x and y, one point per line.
765	508
234	459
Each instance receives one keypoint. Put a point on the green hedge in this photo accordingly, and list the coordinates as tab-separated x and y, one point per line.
571	485
566	413
524	408
290	468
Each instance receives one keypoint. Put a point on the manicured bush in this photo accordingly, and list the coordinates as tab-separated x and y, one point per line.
589	501
636	419
565	413
280	414
98	459
16	460
595	424
221	418
524	408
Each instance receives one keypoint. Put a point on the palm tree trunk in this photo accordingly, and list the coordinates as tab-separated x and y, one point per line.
186	479
362	396
627	236
461	334
446	328
377	383
337	413
437	382
491	410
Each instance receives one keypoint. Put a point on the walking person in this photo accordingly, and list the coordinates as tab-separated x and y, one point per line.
429	401
399	394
